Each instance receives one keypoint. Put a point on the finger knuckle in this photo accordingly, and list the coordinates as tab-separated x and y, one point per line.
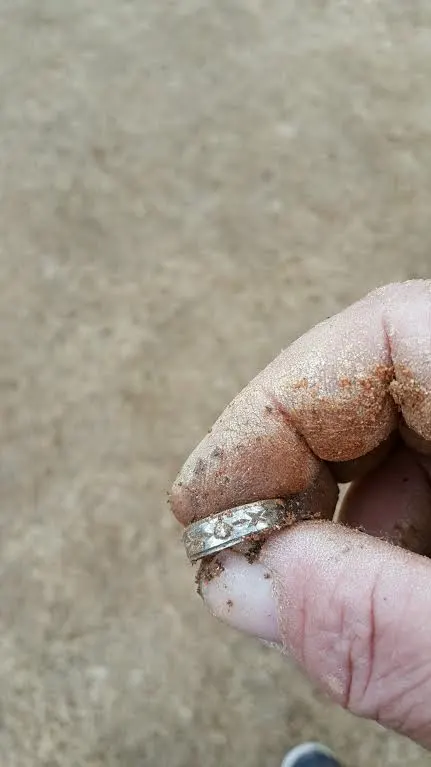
359	638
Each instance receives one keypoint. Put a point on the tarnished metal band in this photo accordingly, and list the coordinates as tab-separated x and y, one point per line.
231	527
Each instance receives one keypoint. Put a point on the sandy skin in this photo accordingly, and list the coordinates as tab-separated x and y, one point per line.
328	407
350	400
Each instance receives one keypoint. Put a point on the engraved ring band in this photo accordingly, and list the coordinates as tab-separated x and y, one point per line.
232	527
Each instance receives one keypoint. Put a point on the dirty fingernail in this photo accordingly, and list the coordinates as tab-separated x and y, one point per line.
242	595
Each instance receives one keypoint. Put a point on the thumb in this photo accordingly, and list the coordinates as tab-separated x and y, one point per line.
354	612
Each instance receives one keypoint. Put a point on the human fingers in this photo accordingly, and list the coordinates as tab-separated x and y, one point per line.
351	609
393	501
331	398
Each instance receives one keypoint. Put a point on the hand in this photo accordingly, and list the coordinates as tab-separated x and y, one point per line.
350	400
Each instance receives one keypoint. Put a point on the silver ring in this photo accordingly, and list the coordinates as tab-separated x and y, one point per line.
221	531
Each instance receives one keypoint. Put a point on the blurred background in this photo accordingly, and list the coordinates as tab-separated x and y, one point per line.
185	188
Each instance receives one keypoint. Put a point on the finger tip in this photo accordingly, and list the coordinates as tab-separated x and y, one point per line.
182	499
175	499
242	595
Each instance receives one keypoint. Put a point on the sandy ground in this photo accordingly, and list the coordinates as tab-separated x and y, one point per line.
185	187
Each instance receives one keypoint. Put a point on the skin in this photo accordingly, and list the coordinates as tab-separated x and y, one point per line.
350	602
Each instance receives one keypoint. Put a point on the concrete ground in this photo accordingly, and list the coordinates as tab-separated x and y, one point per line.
185	187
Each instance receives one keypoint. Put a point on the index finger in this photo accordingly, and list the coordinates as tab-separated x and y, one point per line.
332	396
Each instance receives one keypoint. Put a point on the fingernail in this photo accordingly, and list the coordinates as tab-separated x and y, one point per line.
242	595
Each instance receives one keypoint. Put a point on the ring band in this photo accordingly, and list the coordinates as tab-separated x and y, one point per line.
222	531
